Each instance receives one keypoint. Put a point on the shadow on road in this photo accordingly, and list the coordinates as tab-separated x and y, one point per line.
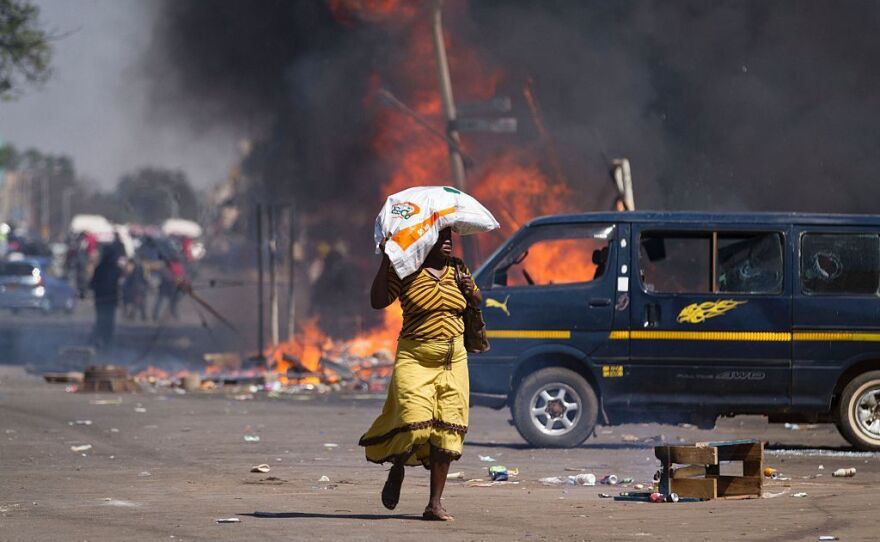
589	446
306	515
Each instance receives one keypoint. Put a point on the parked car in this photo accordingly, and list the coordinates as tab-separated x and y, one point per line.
683	317
24	284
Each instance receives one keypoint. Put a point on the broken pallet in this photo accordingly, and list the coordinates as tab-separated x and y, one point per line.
700	476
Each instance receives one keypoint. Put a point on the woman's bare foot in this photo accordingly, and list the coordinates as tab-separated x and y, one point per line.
436	513
391	490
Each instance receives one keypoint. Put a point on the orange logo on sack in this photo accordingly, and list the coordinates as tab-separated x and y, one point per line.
405	210
407	236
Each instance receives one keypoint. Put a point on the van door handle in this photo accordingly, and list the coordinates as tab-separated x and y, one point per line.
652	315
600	302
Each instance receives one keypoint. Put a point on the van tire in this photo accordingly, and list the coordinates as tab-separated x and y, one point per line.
858	391
565	387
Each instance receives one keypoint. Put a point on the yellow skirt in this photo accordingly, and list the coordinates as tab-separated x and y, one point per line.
427	404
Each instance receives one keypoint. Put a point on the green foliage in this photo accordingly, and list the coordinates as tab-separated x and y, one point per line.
8	157
25	51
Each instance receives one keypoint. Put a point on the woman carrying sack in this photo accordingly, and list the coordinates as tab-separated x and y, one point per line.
425	416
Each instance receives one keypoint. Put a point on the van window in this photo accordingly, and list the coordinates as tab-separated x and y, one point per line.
840	263
707	262
554	255
675	262
749	263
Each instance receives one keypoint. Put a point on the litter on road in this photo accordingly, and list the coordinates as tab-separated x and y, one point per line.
81	448
264	468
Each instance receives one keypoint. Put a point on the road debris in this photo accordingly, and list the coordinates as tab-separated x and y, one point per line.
228	520
251	438
486	458
330	445
116	401
799	494
324	479
80	422
498	473
844	473
263	468
609	480
455	476
828	537
81	448
585	479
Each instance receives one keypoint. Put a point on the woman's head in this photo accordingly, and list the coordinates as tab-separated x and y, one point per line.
443	247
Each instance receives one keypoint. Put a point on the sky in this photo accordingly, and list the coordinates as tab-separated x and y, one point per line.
95	108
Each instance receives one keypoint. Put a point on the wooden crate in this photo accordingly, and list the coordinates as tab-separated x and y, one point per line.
700	476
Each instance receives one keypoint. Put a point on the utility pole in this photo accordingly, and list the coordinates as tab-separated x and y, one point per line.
260	308
273	282
456	163
291	271
622	176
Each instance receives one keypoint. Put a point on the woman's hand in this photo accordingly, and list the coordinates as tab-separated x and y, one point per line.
469	289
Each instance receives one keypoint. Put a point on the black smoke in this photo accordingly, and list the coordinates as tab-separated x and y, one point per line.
763	105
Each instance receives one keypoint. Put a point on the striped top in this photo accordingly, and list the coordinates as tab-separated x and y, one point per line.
432	307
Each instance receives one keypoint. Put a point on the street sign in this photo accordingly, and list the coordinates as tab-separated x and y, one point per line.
498	104
501	125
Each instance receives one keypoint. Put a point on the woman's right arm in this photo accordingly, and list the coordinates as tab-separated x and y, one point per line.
379	298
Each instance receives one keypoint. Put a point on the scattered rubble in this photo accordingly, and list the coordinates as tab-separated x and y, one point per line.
844	473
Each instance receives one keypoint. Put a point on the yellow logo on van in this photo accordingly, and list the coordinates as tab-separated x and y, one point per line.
494	303
698	313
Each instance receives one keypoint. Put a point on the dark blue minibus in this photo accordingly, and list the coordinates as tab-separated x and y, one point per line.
683	317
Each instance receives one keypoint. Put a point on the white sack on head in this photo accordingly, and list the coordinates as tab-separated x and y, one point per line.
411	221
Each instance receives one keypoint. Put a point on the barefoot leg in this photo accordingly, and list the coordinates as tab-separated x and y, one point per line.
439	471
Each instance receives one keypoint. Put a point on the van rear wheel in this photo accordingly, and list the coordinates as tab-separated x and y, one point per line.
859	411
554	408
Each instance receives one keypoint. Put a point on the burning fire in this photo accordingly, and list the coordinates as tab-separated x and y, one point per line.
510	181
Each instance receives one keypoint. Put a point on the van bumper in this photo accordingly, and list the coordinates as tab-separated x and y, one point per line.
491	400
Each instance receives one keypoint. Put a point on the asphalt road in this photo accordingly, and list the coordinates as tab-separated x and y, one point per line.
166	467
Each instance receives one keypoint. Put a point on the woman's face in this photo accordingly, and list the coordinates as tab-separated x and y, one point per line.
443	246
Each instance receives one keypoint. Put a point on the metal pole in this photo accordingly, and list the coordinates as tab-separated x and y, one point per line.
456	163
291	272
44	208
273	283
65	209
260	308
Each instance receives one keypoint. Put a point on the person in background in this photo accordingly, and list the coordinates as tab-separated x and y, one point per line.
172	276
134	291
105	285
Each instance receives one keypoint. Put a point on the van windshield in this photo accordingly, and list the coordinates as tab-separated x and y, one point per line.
553	255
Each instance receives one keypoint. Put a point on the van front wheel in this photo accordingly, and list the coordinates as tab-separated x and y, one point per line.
554	408
859	411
